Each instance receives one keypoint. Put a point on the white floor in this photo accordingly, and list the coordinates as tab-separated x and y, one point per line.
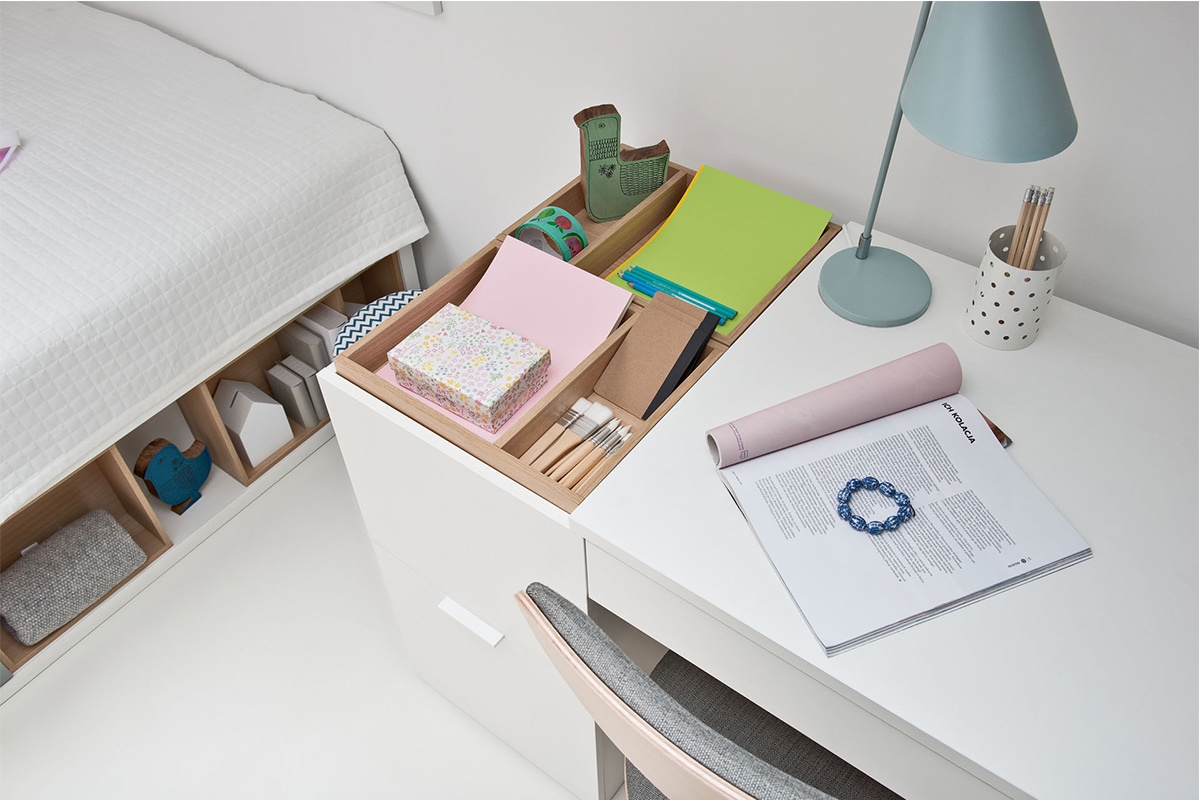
264	665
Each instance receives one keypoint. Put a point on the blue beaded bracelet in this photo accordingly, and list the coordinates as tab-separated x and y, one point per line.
904	509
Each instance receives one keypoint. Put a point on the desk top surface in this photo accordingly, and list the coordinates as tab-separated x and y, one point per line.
1082	683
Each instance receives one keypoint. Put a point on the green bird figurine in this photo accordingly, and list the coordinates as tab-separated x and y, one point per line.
615	182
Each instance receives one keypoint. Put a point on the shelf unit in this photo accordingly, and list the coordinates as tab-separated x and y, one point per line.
108	482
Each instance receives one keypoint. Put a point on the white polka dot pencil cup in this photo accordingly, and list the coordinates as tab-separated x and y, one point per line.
1008	304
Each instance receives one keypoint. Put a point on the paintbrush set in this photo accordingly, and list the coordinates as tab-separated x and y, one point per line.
576	447
1035	207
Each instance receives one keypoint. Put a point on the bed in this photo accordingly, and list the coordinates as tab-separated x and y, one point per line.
164	212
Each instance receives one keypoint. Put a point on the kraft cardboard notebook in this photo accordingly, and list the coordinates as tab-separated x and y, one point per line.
541	297
663	346
730	240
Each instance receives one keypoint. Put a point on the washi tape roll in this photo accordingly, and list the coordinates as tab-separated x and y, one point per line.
554	231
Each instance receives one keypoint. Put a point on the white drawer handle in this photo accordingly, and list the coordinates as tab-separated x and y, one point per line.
471	622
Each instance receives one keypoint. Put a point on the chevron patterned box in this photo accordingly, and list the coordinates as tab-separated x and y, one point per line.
469	366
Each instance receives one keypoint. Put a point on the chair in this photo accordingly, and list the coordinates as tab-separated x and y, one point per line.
690	736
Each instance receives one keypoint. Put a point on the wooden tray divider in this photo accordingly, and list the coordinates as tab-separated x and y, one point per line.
604	255
570	198
712	352
371	350
578	383
200	413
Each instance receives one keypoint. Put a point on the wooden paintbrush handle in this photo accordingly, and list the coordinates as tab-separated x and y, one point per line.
571	459
555	451
539	447
582	468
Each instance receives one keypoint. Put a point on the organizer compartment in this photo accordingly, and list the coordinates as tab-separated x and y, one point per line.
570	198
106	482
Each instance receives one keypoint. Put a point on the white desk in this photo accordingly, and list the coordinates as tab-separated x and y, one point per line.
1082	684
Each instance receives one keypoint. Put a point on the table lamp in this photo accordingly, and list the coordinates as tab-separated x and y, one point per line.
982	80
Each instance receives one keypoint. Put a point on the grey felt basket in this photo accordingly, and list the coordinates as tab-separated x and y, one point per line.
56	581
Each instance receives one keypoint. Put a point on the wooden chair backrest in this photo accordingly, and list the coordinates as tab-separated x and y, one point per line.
672	771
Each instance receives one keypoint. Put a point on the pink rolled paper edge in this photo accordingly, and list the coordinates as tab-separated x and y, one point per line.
920	377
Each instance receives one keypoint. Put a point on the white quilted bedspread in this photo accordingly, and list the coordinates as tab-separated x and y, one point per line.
165	211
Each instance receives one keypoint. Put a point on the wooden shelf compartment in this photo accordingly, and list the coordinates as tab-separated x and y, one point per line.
218	491
378	280
201	411
105	482
605	239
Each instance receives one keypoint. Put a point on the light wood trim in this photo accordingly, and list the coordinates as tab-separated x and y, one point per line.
200	413
713	351
670	769
128	491
335	301
250	367
604	255
300	434
578	383
371	350
383	277
571	198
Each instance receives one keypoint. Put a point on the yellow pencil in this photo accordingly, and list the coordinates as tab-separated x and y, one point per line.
1039	225
1018	237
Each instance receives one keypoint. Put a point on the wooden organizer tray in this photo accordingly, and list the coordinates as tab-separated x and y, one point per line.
610	244
104	483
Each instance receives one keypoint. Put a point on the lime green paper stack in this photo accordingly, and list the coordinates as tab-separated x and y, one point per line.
730	240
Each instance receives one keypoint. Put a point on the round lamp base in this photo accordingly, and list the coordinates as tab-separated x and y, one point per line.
884	289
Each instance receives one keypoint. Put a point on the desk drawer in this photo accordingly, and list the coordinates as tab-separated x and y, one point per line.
889	755
458	523
509	687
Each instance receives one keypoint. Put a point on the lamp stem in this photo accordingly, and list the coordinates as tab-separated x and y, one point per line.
864	241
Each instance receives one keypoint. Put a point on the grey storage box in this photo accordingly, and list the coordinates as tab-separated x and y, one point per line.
60	578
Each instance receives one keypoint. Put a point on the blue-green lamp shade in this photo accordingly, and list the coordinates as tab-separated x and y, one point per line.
986	83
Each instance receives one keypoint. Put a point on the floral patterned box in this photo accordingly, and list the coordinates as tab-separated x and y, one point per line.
472	367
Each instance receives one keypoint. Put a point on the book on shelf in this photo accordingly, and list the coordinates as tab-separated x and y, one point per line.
980	525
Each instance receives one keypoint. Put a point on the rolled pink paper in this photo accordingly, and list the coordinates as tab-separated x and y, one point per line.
921	377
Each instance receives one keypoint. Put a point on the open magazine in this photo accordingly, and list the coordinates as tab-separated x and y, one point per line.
979	525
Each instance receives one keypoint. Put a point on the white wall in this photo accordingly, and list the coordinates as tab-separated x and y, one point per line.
796	96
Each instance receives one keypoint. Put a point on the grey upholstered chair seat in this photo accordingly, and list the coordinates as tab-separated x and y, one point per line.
721	730
757	732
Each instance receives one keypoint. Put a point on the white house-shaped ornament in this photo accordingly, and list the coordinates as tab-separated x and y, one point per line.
256	422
